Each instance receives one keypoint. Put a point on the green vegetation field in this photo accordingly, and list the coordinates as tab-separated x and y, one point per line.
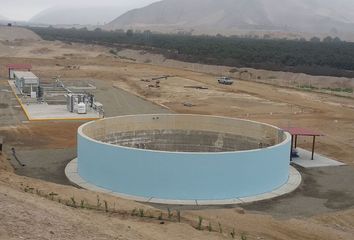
330	57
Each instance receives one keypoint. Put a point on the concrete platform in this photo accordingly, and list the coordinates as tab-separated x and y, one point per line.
319	161
293	183
43	111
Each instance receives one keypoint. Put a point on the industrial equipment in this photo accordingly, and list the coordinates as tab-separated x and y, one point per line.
26	82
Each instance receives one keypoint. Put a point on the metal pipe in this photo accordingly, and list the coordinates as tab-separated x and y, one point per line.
16	158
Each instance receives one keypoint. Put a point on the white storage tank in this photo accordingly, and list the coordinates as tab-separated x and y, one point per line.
33	94
81	108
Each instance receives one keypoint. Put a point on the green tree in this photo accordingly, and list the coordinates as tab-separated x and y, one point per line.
315	39
328	39
130	32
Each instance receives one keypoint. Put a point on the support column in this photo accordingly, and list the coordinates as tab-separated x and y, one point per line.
295	141
313	147
291	148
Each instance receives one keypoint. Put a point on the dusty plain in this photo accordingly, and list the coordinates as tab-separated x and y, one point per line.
36	201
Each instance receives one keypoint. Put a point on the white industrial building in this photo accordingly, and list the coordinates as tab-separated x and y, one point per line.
27	83
17	67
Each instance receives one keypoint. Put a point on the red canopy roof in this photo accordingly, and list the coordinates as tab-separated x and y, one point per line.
19	66
301	131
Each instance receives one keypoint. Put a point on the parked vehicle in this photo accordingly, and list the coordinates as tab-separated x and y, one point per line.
225	81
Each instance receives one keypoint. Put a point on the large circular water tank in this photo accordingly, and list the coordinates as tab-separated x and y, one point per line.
183	157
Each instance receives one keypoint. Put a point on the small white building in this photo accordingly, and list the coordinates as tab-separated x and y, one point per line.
17	67
26	82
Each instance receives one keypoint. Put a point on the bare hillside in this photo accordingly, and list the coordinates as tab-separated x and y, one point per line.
85	14
76	15
16	33
231	15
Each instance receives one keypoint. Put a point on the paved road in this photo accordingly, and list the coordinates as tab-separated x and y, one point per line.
10	110
119	102
326	189
44	164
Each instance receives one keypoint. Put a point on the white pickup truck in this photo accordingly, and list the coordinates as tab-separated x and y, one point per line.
225	80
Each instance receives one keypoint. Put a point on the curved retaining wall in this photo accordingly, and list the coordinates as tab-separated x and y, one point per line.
178	175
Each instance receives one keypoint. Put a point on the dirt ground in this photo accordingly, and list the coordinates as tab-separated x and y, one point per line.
25	215
278	78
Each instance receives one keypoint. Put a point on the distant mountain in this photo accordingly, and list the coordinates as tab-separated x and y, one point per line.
77	15
233	15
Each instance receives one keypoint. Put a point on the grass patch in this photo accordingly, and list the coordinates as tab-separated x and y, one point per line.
210	228
308	87
220	228
345	90
178	215
200	223
169	213
141	212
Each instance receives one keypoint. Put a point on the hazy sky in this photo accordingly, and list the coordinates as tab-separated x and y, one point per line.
25	9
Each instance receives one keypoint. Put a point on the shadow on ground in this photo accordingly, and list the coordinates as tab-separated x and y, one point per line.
323	190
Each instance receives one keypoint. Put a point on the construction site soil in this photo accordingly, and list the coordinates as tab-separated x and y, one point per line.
34	197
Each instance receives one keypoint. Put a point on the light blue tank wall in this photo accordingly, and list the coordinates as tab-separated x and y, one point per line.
183	176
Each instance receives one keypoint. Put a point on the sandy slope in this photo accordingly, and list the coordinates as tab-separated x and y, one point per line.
25	215
16	33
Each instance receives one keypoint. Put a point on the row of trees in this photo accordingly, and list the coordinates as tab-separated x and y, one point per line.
327	57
